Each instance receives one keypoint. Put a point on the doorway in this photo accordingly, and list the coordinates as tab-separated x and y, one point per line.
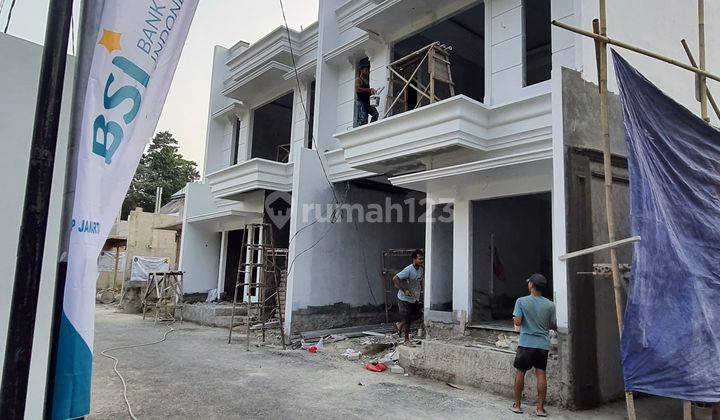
511	239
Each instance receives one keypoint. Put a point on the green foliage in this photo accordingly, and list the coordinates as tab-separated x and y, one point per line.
160	166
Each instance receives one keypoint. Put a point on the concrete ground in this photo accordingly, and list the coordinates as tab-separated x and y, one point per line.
196	374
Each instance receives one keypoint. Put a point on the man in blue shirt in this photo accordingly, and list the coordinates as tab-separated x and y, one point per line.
409	285
535	315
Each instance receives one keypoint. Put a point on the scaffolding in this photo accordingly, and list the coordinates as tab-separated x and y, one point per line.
259	278
602	40
164	294
426	71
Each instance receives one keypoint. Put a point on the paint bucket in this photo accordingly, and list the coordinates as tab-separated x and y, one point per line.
375	100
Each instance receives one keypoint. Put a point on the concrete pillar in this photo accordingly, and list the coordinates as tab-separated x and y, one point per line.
462	262
223	260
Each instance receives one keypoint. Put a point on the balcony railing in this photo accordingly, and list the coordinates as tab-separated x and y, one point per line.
456	126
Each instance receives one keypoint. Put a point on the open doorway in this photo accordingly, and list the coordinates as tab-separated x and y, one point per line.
272	124
511	239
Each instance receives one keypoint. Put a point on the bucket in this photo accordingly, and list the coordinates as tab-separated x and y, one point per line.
375	100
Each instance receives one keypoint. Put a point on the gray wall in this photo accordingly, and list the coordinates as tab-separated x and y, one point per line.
593	324
339	262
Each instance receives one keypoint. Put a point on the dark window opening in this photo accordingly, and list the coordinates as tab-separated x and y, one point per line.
235	142
511	240
537	41
272	124
441	286
311	117
465	33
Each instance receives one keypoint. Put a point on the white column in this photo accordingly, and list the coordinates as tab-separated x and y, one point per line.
462	260
223	260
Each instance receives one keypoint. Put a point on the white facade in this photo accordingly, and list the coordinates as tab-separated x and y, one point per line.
507	142
19	77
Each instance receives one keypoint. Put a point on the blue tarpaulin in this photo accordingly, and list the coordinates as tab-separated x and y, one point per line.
671	340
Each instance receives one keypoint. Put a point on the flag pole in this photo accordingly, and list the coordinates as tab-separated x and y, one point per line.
31	240
88	29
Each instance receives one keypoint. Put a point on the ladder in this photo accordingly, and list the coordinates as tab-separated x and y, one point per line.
258	274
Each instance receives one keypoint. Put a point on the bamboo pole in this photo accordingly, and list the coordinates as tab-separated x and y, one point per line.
633	48
710	97
701	44
607	166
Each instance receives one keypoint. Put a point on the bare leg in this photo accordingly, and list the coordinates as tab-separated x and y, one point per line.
519	386
406	325
541	389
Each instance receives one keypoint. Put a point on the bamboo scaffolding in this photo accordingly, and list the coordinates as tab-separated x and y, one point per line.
710	97
599	34
632	48
701	45
600	27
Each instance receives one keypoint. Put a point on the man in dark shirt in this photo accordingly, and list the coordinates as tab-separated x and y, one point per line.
362	97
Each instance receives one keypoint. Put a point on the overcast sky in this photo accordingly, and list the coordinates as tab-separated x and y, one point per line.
217	22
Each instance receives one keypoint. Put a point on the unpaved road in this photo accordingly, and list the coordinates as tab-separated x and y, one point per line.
195	374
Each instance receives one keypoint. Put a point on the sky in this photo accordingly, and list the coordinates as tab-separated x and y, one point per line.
216	22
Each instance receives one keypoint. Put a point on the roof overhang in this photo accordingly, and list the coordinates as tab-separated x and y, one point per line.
224	220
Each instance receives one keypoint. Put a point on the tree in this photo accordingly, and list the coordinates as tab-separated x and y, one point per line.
160	166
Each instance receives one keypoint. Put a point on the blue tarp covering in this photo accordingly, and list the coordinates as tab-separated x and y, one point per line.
671	341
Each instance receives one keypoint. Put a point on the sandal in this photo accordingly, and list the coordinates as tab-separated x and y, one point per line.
515	409
541	413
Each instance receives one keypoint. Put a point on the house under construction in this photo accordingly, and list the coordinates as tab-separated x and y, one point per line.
490	161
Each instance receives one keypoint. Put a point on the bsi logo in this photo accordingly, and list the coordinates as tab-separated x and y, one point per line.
108	134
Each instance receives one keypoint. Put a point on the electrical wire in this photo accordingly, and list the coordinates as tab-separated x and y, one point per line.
7	24
117	361
302	100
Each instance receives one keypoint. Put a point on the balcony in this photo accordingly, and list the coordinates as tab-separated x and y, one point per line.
452	131
251	175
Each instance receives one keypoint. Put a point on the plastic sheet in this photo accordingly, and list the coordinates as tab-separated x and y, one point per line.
671	340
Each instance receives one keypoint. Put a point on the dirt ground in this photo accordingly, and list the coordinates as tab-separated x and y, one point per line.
196	374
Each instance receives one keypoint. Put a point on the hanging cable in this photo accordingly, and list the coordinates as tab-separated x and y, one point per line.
302	100
7	23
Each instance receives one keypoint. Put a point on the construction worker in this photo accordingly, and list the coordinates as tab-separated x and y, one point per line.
409	284
535	315
363	91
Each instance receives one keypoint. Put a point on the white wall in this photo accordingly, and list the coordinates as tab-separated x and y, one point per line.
657	25
18	83
199	248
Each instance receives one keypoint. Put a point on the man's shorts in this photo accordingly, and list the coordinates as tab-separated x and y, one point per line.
527	358
409	312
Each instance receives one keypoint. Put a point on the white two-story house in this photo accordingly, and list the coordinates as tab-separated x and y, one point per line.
494	182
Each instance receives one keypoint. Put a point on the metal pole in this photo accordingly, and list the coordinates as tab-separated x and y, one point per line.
31	240
701	44
89	26
601	28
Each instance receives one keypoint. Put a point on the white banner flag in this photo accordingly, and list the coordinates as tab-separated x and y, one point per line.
137	51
